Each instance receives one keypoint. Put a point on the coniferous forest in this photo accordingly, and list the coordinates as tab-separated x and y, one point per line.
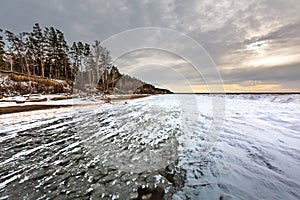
45	53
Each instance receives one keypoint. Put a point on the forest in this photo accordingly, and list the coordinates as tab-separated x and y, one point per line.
44	54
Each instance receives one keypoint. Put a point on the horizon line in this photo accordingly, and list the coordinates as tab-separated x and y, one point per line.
238	93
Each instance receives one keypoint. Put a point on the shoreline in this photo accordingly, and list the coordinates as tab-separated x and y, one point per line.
15	109
42	103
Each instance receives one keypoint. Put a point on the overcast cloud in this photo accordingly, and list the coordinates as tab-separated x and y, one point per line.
247	41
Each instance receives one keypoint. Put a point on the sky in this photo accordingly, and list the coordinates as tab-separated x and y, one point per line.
185	46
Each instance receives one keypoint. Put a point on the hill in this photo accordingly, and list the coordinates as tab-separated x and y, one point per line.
41	61
112	81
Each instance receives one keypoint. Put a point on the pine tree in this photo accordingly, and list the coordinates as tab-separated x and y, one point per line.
30	56
26	53
37	40
51	43
73	54
2	51
17	44
63	50
10	38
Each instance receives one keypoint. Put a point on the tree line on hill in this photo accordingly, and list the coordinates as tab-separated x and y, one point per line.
45	53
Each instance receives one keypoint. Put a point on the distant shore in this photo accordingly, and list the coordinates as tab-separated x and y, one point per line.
239	93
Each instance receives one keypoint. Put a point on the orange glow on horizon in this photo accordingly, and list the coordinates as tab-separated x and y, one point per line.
240	88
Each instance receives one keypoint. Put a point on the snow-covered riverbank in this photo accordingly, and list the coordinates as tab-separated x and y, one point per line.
39	102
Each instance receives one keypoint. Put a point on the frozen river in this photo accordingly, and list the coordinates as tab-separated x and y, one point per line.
176	146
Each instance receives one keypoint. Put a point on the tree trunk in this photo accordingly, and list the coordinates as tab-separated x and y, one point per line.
27	67
11	64
42	63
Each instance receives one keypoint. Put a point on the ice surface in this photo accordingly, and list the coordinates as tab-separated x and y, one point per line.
230	147
256	155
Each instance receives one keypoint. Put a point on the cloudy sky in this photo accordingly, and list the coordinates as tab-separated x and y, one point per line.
242	45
